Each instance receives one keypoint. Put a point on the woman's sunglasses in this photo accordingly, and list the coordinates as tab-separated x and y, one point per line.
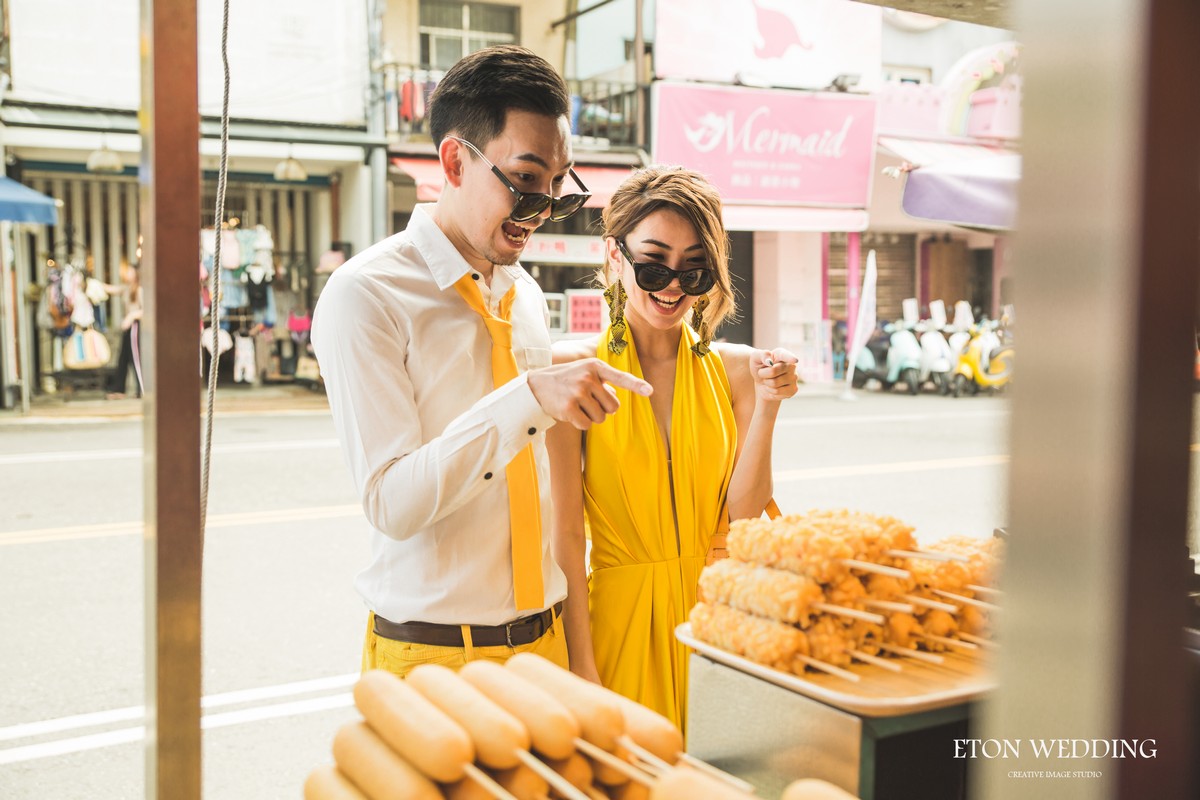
533	204
653	277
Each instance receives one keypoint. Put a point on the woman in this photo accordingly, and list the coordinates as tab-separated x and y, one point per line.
664	474
130	357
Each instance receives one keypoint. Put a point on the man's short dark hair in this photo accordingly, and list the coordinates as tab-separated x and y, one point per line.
474	97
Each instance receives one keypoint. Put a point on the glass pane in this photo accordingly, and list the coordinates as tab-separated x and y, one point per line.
445	52
439	14
489	18
476	43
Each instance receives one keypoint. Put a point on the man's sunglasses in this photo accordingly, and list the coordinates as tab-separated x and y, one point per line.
533	204
652	277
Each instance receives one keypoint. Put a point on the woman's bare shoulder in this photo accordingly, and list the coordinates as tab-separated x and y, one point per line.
736	358
568	350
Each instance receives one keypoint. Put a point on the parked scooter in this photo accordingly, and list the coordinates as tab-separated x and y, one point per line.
868	363
985	363
904	359
937	359
891	358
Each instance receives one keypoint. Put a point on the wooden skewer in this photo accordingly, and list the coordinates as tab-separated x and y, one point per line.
483	779
917	600
830	668
917	654
876	660
620	765
971	601
653	763
946	640
974	587
594	794
866	616
560	784
979	640
719	774
880	569
928	555
888	605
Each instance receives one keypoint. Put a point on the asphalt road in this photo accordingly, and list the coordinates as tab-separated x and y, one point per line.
282	625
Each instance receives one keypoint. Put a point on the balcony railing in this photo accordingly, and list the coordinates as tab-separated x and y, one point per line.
603	113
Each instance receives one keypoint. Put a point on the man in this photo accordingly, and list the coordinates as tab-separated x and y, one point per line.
436	358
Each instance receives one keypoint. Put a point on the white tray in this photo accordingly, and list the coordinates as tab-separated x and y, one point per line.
880	692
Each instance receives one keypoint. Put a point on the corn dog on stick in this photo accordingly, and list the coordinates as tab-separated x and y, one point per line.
829	641
762	640
821	545
790	544
771	593
983	555
950	576
870	536
973	620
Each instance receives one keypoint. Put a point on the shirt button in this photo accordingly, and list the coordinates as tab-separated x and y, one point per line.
532	431
474	276
487	476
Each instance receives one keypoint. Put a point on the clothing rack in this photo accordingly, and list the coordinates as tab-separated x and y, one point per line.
240	320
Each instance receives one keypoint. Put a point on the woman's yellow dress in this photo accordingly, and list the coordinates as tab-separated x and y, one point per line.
652	515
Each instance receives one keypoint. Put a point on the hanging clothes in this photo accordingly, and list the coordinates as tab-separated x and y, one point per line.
408	91
391	101
418	102
243	359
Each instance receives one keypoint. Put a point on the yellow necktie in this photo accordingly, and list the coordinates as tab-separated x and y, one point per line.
524	507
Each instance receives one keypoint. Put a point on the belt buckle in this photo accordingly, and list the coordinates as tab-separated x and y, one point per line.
508	634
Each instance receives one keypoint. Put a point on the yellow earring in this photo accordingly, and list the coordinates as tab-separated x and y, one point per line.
615	296
700	326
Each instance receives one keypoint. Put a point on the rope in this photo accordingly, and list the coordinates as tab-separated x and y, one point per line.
214	275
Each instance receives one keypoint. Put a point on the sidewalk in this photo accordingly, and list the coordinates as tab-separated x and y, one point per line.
91	406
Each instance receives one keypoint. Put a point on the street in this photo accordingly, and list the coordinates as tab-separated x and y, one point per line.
282	624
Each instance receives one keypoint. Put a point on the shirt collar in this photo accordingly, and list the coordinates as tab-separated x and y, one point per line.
445	263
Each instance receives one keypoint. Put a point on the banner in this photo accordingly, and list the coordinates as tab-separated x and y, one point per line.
802	45
866	319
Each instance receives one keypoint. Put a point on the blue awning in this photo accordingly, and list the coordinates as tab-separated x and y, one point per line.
19	203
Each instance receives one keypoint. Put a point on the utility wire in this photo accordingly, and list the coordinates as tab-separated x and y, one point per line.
214	275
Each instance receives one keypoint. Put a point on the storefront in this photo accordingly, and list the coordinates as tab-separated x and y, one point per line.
55	151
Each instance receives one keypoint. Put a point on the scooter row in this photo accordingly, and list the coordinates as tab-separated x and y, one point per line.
962	358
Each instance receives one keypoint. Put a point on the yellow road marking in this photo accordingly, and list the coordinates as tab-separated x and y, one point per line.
884	469
108	529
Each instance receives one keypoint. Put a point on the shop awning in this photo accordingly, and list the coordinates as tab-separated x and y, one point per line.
19	203
18	115
794	218
962	184
602	182
427	174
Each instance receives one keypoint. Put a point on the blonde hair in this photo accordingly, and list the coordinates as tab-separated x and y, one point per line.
690	195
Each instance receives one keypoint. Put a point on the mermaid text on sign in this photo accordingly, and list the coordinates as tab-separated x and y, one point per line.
769	146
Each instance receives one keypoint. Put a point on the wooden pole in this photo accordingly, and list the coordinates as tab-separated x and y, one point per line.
169	179
1105	260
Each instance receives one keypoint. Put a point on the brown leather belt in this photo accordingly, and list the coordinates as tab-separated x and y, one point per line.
514	634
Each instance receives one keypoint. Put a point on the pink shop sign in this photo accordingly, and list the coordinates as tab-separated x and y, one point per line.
769	146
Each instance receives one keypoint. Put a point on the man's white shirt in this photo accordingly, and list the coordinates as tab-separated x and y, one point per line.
407	367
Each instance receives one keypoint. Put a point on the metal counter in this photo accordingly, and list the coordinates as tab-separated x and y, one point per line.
770	736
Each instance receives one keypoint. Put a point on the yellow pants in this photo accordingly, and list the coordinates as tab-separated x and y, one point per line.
401	657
